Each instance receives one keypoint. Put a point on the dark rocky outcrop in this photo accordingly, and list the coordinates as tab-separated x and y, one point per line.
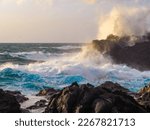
47	91
38	104
8	103
17	94
136	55
85	98
144	97
108	97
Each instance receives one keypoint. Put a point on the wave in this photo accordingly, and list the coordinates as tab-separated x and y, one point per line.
18	80
42	55
6	57
33	55
30	83
69	47
88	66
26	57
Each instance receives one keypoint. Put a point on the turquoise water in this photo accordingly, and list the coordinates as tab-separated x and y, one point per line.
29	83
32	67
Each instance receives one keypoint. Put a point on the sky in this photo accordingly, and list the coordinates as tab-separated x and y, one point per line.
57	21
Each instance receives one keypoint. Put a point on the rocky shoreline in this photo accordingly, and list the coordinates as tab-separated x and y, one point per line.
85	98
125	50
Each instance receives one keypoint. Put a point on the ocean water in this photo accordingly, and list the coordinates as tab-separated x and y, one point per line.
32	67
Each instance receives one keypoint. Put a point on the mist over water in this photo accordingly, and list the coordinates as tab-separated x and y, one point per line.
122	21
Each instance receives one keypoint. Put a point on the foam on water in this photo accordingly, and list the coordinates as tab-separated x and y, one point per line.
67	47
34	55
87	66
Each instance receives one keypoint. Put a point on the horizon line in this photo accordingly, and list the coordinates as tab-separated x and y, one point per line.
42	42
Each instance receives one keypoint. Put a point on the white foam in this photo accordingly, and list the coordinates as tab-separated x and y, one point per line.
33	55
68	47
95	68
32	100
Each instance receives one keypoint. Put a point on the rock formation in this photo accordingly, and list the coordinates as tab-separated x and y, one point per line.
144	97
8	103
17	94
135	54
85	98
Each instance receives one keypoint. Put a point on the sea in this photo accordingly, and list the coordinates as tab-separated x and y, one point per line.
31	67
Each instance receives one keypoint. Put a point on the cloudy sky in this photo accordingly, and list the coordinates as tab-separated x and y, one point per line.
55	20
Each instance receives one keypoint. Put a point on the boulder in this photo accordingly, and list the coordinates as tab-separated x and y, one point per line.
145	89
38	104
17	94
47	91
108	97
8	103
144	97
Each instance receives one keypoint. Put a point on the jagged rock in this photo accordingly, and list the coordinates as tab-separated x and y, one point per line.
113	87
144	97
24	110
17	94
46	92
136	56
108	97
38	104
8	103
145	89
122	52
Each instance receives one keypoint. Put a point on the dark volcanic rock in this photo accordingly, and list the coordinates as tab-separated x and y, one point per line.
144	97
119	49
8	103
137	56
108	97
145	89
38	104
46	92
17	94
24	110
113	87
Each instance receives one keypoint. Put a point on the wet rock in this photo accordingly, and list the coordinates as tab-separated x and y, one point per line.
112	87
24	110
122	51
38	104
145	89
108	97
144	97
102	105
17	94
8	103
46	92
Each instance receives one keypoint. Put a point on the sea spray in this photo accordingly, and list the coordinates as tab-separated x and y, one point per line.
85	66
124	21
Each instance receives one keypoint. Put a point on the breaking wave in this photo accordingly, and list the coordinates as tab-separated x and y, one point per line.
87	66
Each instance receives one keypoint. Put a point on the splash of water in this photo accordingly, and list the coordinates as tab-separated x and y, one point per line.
86	66
123	21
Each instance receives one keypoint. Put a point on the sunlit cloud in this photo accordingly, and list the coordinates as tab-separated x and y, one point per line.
90	1
70	20
20	2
